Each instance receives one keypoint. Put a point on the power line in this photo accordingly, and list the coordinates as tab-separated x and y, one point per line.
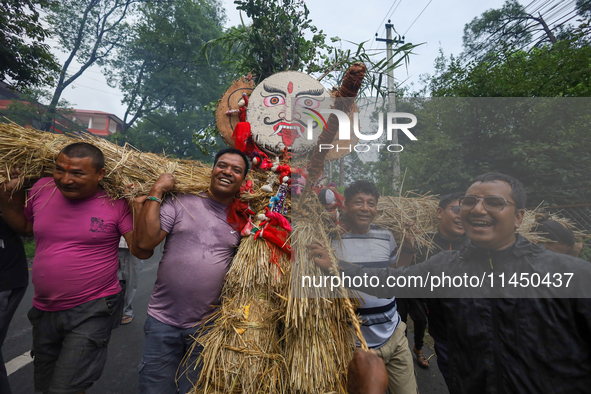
394	10
564	8
386	14
385	17
540	7
98	90
417	17
568	20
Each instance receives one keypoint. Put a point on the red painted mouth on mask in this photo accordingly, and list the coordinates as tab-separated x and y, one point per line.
289	132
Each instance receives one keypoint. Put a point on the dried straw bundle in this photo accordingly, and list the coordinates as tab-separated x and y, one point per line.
394	212
35	152
529	222
242	351
319	340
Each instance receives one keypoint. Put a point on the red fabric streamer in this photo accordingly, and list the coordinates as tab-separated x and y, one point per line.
241	135
276	235
284	170
277	219
275	253
238	213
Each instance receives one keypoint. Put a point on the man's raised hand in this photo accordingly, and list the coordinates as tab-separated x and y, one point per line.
319	254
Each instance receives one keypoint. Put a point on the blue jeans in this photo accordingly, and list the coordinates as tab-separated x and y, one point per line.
165	347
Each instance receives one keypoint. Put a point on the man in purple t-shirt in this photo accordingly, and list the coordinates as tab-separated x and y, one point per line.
77	299
200	244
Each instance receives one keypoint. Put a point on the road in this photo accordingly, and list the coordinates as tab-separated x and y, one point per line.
125	349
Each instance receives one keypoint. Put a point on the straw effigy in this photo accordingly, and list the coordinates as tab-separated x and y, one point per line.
294	341
242	350
319	339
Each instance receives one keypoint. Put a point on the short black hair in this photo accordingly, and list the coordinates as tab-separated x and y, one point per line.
81	150
517	189
554	230
449	198
361	186
233	151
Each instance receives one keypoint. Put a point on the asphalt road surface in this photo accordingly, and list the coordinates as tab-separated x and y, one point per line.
120	375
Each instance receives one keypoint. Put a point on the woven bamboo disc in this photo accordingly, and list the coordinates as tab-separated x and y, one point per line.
229	101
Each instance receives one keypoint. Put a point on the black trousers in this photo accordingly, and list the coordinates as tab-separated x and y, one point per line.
418	312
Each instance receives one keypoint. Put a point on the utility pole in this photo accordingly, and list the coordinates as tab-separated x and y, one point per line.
546	29
392	96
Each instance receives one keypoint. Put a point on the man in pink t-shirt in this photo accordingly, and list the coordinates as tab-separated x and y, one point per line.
78	298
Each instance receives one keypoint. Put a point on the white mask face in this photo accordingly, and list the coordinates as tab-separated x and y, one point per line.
279	109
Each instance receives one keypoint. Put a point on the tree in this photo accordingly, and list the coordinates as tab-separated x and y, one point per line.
24	59
277	41
161	65
542	142
166	81
89	31
584	8
166	132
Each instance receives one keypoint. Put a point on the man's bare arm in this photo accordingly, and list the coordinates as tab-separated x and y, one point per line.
139	253
12	204
147	232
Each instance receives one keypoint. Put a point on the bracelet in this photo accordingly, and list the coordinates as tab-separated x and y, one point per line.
407	250
152	198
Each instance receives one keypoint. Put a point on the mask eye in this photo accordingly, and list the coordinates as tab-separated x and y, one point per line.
308	102
272	101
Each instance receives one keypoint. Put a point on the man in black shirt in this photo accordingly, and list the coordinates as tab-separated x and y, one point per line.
450	236
506	337
14	278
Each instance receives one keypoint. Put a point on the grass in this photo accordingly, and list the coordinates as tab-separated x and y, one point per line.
30	248
586	252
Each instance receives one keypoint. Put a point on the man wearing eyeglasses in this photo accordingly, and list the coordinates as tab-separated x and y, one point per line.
506	342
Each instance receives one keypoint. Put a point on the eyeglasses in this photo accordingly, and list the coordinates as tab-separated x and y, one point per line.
491	203
455	208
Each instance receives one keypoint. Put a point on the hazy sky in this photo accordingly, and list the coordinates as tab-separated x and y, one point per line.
441	24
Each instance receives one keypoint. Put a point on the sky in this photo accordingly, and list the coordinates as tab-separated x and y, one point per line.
435	23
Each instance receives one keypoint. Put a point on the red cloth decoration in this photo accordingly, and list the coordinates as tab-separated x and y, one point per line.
275	252
300	171
277	219
266	164
284	170
246	188
241	135
276	235
237	214
275	229
242	115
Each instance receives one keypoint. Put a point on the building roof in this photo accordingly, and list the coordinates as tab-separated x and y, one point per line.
93	112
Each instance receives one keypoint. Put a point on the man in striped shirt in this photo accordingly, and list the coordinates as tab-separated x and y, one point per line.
369	246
